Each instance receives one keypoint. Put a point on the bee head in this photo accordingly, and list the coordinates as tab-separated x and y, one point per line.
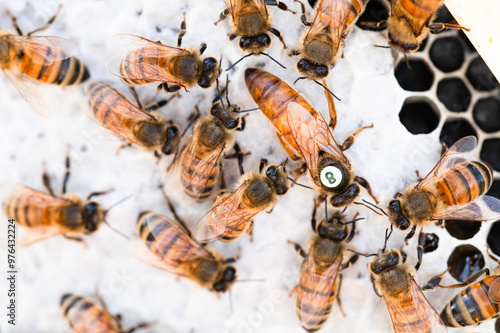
93	216
211	71
332	229
277	174
172	139
396	215
315	72
385	259
228	278
225	114
255	44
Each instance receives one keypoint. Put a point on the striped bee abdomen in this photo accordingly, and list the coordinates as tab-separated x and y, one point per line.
84	316
198	181
463	184
471	306
136	65
20	206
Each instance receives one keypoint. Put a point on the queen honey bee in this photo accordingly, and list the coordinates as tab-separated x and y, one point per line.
45	214
453	189
232	213
409	309
324	42
304	134
86	316
172	67
133	124
252	21
321	280
199	161
28	60
170	247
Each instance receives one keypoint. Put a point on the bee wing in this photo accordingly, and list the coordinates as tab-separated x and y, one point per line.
111	109
315	296
144	54
28	236
44	49
224	217
415	314
28	89
234	6
484	208
453	156
311	135
332	15
424	10
168	246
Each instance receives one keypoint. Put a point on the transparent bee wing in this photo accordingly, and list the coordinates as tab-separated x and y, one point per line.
44	49
484	208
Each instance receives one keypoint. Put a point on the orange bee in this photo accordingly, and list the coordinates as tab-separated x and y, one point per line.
169	246
304	134
134	124
173	67
321	280
232	213
324	42
27	60
409	309
85	316
453	189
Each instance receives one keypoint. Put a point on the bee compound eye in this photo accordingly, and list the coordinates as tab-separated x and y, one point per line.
331	176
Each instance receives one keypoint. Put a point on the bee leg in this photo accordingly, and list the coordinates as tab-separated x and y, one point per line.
182	32
294	52
67	172
303	17
222	16
361	181
76	239
203	47
435	281
299	171
278	4
138	326
14	23
293	291
263	163
410	234
239	155
133	92
313	215
278	34
420	248
375	25
438	27
350	139
125	145
250	231
95	194
46	181
350	262
158	156
46	25
374	287
174	213
298	248
173	88
337	296
232	36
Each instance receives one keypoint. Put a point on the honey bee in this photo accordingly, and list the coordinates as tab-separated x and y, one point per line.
45	214
170	247
199	161
86	316
324	42
134	124
409	309
173	67
232	213
28	60
252	21
321	280
476	303
304	134
453	189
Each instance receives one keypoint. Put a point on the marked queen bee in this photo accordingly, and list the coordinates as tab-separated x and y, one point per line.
453	189
173	68
304	134
28	60
324	42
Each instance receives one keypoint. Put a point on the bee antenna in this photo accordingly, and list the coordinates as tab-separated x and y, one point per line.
227	89
302	185
248	110
491	255
116	230
375	206
245	56
299	78
116	204
353	221
362	254
370	208
383	46
387	235
219	95
276	61
326	88
406	60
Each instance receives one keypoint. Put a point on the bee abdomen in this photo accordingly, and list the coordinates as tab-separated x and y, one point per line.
102	105
84	316
197	185
18	207
465	183
133	66
471	306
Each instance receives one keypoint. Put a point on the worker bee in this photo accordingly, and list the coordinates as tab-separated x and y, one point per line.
169	246
27	60
304	134
324	42
321	280
453	189
409	309
45	214
232	213
133	124
476	303
252	21
199	161
86	316
173	67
